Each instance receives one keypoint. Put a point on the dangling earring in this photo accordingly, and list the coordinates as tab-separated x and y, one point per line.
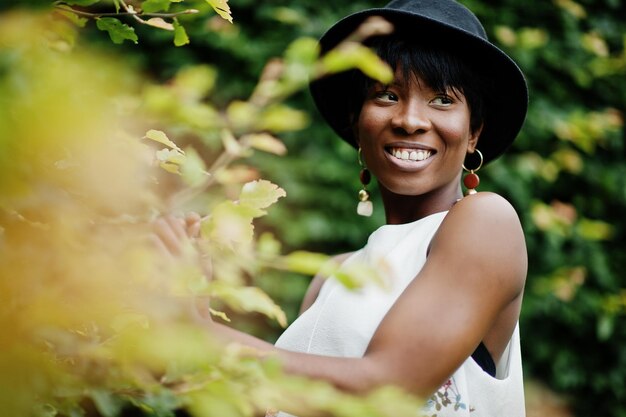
365	207
472	180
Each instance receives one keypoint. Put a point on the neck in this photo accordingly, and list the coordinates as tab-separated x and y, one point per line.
408	208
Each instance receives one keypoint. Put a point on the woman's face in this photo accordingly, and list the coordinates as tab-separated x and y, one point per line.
414	139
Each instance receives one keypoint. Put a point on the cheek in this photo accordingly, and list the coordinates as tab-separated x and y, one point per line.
457	130
368	124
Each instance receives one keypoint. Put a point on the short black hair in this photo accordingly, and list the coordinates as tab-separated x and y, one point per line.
440	67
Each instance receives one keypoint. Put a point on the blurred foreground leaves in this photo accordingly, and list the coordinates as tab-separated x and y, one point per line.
96	320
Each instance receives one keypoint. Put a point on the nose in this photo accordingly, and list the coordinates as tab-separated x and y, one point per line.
411	117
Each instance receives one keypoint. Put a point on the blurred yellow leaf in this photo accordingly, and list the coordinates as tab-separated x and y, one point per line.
282	118
353	55
248	299
595	44
230	224
125	320
572	7
193	170
236	174
219	314
231	145
260	194
304	262
562	283
265	142
532	38
195	82
170	156
242	114
594	229
161	137
557	218
506	35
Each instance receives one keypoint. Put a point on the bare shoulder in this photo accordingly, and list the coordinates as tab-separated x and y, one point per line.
483	231
316	283
485	205
485	215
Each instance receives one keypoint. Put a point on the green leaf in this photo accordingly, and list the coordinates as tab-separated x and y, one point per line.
152	6
118	31
193	170
161	137
249	299
180	35
221	8
303	262
260	194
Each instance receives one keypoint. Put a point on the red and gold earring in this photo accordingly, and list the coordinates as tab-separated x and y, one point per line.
365	206
472	180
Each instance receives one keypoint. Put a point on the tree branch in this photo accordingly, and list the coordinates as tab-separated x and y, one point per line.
127	13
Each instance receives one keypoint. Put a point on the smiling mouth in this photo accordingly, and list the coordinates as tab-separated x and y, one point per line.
406	154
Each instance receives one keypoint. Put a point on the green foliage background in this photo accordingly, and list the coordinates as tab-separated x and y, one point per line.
565	174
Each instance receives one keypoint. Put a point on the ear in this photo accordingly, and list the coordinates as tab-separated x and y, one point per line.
473	139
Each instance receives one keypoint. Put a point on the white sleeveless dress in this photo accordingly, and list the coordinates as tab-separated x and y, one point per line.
341	322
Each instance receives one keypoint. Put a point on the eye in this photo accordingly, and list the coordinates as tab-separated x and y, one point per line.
442	100
386	96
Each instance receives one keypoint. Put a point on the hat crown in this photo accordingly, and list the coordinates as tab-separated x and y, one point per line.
447	24
447	12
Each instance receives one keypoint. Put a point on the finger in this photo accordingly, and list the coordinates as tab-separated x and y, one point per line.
163	230
193	223
160	246
177	225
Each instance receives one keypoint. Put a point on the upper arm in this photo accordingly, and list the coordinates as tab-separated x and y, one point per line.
316	284
476	267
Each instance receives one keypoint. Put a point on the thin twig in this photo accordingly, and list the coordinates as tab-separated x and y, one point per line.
134	13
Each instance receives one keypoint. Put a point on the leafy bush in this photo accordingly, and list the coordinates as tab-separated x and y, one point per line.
565	175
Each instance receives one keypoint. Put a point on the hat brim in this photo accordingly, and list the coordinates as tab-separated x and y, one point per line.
505	110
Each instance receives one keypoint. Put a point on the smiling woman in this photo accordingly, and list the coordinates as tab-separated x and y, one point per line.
446	325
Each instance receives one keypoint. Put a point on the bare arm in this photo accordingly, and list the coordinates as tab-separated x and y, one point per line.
474	274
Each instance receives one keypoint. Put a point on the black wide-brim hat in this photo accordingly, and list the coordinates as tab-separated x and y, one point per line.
452	25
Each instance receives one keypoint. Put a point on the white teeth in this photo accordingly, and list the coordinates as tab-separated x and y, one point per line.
407	155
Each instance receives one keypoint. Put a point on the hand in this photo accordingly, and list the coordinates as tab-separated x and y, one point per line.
173	234
176	237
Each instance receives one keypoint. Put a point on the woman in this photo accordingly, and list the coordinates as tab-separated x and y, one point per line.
455	266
